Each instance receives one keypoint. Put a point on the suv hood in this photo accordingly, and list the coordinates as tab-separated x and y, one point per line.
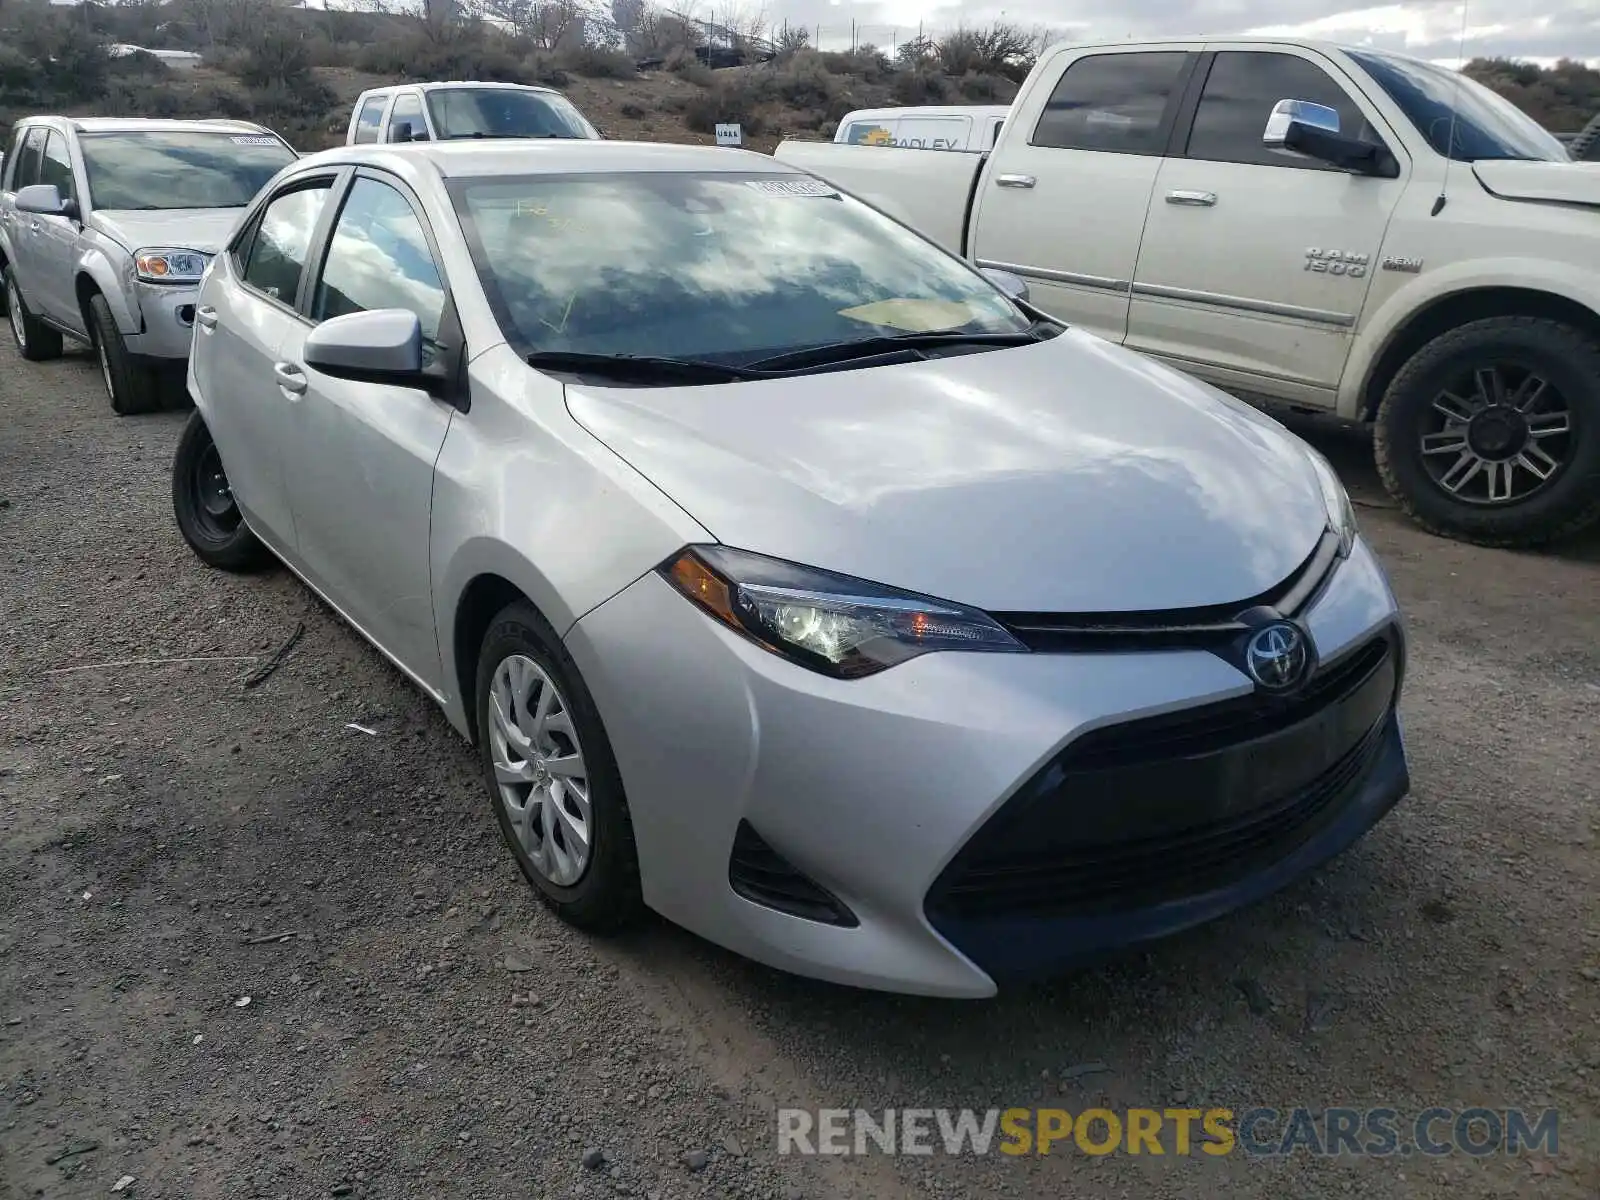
1067	476
202	229
1554	182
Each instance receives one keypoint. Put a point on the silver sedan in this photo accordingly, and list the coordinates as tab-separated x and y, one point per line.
791	577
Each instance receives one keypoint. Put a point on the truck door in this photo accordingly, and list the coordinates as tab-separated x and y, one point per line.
1256	262
1062	200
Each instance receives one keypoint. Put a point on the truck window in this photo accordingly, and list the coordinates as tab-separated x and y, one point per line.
933	133
370	122
1239	96
408	107
870	133
1119	103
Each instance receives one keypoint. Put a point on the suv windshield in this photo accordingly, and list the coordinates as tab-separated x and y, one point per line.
179	169
1486	124
505	113
730	267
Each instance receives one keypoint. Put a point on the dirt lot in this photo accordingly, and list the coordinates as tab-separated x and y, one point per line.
429	1030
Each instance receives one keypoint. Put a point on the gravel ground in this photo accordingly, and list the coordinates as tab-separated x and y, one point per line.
429	1030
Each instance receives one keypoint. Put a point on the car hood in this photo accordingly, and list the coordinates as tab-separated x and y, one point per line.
1067	476
202	229
1556	182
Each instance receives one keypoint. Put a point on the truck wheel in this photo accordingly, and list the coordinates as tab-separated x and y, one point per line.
1491	432
131	386
35	340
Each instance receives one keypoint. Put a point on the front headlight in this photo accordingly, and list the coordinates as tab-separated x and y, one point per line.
833	624
1341	515
167	264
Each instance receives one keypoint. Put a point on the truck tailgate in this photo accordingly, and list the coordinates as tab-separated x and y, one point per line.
929	190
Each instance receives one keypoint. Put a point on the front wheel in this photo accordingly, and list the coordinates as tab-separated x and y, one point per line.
552	780
1491	432
208	516
131	386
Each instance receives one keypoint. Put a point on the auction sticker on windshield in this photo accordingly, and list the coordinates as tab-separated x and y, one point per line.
255	140
792	187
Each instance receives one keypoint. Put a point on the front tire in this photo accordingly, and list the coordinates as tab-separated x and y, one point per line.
552	780
35	341
1491	432
208	516
132	387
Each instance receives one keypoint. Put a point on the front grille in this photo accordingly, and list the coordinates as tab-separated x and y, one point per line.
1210	628
763	876
1132	815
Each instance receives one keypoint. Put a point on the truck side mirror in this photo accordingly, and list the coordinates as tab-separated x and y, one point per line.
405	131
1302	127
1287	113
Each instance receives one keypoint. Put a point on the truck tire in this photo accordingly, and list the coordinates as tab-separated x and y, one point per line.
34	340
132	387
1491	432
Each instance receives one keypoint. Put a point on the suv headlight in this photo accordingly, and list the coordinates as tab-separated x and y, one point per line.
1341	515
834	624
167	264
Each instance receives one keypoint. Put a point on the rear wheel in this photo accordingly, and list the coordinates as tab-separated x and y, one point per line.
208	516
132	387
35	340
1491	432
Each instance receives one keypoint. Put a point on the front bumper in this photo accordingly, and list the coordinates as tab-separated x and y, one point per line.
883	794
165	313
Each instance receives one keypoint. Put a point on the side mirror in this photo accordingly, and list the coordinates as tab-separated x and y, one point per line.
42	199
381	347
1012	285
405	131
1301	127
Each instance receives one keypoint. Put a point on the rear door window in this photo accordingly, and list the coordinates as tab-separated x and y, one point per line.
1119	103
370	123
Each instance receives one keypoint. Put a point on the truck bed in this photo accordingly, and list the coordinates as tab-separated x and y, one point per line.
930	192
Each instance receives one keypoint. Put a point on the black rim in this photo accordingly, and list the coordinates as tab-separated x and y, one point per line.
1497	434
214	509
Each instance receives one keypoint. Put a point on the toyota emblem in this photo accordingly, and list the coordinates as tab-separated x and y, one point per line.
1277	656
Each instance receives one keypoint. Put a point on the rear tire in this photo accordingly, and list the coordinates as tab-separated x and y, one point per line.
573	842
208	516
132	387
1491	433
34	340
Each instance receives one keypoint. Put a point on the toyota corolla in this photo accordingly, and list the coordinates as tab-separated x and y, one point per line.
791	577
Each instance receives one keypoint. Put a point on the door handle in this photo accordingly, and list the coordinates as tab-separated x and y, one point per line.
1198	199
206	317
290	377
1016	181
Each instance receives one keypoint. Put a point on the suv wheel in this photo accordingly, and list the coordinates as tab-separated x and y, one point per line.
131	386
35	340
1491	432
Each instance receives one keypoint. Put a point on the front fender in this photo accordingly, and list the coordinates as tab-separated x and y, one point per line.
1568	281
96	267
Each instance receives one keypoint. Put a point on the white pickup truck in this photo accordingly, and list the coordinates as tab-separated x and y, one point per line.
1334	229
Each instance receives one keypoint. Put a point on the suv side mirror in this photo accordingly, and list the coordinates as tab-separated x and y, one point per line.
1303	127
42	199
382	347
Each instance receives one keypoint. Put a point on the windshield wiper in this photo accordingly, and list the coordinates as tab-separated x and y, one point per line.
872	347
640	367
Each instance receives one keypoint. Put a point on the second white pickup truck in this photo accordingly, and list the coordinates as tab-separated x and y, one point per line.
1334	229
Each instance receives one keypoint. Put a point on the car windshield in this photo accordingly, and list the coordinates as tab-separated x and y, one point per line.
725	267
1459	116
505	113
179	169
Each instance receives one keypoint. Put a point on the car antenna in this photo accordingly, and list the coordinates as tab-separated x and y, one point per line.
1455	107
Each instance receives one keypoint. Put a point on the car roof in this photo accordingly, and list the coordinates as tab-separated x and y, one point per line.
449	84
928	110
144	125
470	158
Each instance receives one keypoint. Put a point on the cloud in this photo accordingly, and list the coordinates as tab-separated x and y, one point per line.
1546	29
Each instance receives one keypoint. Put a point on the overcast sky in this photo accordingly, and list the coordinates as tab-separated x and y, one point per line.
1537	29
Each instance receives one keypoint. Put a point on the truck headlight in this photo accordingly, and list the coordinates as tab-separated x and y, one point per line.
167	264
1341	515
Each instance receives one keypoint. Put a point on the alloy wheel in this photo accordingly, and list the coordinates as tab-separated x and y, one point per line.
14	307
539	769
1498	436
105	369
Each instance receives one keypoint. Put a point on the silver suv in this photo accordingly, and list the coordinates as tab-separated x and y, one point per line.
106	226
